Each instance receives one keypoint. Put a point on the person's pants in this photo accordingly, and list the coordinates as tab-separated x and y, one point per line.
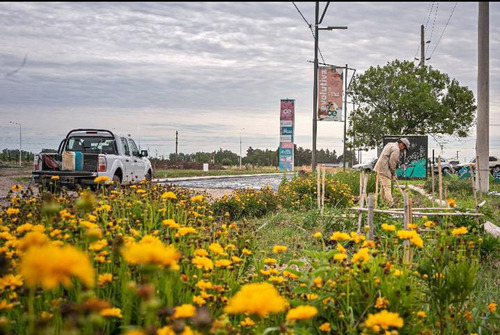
386	189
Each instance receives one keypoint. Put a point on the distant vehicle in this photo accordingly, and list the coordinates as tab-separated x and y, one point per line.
446	167
454	163
493	164
366	166
89	153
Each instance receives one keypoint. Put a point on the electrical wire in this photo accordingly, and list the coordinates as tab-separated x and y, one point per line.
433	25
449	18
428	12
310	27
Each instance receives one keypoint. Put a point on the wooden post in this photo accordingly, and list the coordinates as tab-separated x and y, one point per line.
318	193
440	179
478	169
323	170
407	221
362	195
370	216
432	174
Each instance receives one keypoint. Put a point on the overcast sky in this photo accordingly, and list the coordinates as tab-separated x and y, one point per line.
208	70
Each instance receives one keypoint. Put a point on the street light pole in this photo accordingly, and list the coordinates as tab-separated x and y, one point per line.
315	89
20	150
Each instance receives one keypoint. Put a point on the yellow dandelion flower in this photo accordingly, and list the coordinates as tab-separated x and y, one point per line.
451	202
459	231
151	252
184	311
111	313
217	249
247	322
363	255
16	187
258	298
384	319
388	227
104	278
168	195
325	327
302	313
279	248
101	179
318	235
339	236
51	265
290	275
492	306
202	262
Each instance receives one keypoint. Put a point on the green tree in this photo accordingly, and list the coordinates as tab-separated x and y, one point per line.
403	99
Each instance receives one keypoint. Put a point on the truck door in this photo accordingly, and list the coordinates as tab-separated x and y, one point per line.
127	162
139	165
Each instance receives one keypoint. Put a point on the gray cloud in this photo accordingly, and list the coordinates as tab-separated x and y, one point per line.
207	69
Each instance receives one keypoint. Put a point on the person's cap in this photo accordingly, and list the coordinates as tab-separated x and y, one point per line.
405	141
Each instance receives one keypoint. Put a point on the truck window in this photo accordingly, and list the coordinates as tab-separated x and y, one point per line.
91	144
133	148
125	146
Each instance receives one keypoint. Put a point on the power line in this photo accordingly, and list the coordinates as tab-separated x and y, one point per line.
433	25
310	27
427	13
301	13
449	18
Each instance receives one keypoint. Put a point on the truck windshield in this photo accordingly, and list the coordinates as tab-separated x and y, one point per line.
105	145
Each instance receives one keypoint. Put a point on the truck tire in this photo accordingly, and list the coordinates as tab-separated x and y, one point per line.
117	180
148	176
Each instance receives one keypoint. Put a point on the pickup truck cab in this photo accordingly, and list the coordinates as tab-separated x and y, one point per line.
89	153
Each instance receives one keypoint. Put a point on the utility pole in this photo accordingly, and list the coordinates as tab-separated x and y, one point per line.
422	47
483	95
315	89
176	145
353	150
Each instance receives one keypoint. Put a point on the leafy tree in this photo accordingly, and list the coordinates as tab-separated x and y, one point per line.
403	99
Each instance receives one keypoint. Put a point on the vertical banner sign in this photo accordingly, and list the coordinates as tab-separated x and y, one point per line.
330	90
287	119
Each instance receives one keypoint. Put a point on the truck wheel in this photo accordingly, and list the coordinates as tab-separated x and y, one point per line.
148	176
446	170
116	180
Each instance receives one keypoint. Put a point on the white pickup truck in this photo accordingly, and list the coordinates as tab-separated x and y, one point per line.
89	153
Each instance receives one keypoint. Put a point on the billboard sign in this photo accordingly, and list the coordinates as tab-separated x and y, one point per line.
287	119
330	90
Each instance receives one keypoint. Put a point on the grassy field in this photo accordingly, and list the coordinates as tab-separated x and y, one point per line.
199	173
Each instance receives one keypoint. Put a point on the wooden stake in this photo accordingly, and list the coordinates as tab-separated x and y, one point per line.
440	179
318	193
370	216
362	196
407	222
323	188
478	168
432	173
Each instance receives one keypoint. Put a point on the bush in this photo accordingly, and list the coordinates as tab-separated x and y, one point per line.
301	192
247	203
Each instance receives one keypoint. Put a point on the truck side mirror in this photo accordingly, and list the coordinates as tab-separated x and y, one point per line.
144	153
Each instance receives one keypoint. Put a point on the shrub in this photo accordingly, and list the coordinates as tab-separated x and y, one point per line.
247	203
301	192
